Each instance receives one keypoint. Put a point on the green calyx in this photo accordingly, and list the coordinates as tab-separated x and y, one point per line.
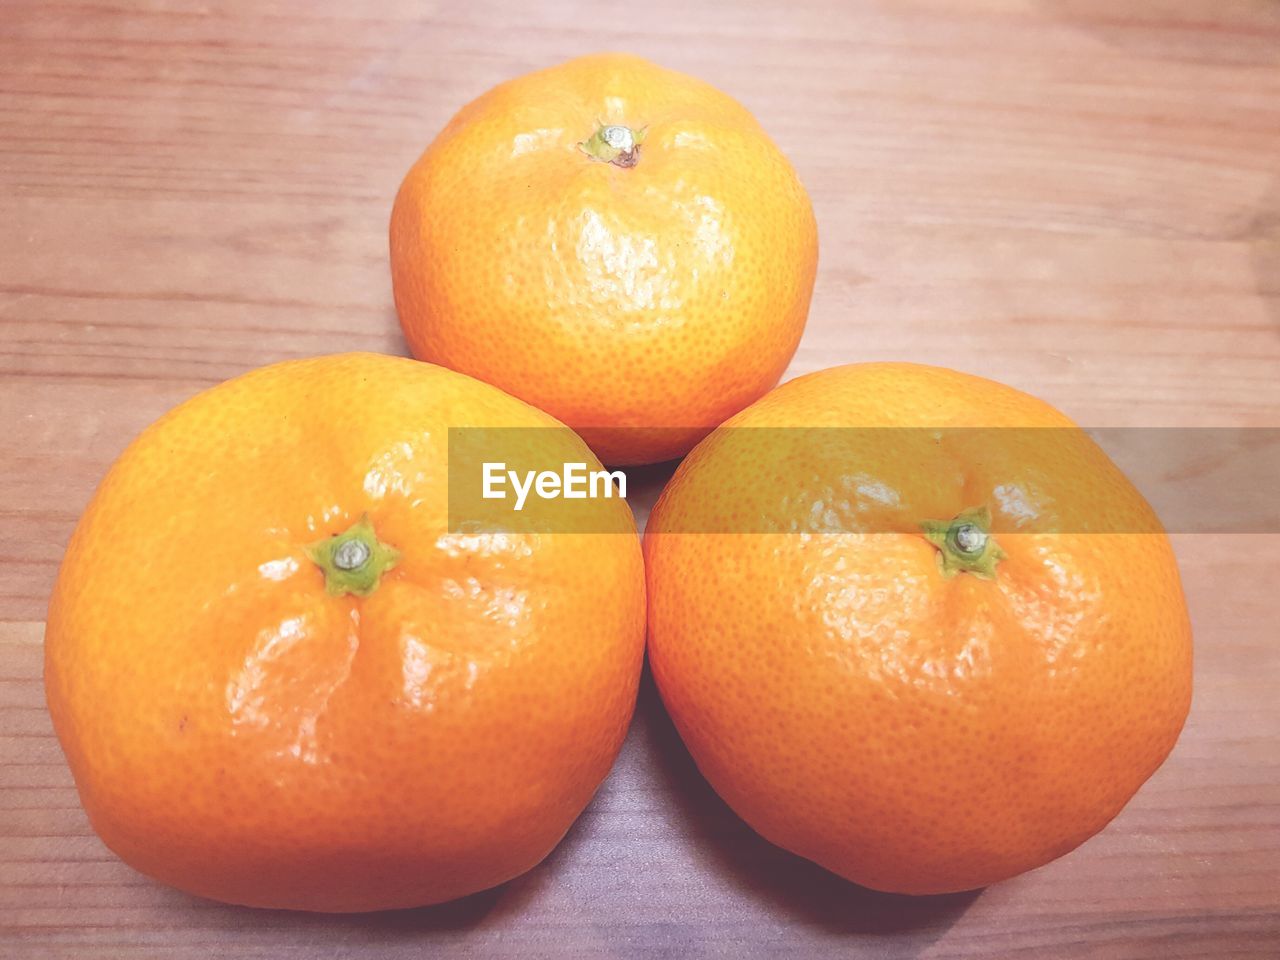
965	544
354	560
614	143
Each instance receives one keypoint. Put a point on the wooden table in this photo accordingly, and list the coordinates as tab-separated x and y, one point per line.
1066	195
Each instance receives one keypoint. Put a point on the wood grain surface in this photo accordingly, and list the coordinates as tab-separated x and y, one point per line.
1078	197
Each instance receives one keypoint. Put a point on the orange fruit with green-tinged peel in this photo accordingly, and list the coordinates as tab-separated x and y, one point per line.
618	244
283	678
915	626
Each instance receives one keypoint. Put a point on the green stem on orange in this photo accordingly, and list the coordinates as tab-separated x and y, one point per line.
965	543
614	143
354	560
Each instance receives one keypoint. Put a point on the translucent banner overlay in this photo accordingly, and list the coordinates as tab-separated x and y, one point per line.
880	480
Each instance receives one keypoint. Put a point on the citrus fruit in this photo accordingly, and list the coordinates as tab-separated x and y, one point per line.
282	678
618	244
915	626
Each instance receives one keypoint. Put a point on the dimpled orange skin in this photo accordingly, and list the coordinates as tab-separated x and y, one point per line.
239	733
912	733
659	298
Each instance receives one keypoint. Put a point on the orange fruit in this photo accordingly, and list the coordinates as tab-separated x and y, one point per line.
281	678
618	244
915	626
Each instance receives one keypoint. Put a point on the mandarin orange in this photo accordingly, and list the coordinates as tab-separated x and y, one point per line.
283	678
617	243
915	626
